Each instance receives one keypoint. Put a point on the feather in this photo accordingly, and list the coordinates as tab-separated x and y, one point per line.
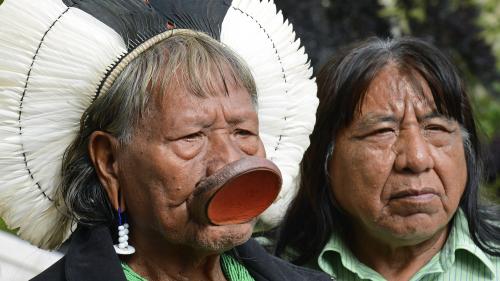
134	21
257	31
200	15
55	60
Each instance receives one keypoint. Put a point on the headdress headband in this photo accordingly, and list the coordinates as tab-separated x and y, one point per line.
56	54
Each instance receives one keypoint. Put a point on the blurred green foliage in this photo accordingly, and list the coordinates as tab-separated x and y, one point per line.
491	191
489	21
487	109
3	227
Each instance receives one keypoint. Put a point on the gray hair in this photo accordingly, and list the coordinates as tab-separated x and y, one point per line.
191	59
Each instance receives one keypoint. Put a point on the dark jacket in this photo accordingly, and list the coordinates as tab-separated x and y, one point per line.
91	256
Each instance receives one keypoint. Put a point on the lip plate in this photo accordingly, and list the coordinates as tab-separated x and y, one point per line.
237	193
244	197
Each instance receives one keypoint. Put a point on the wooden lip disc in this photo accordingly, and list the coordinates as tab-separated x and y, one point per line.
239	192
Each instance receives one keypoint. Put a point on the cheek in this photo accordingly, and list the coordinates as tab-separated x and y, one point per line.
177	175
451	168
156	185
261	151
360	169
250	145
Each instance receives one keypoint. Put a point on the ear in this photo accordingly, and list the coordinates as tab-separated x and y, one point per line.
103	151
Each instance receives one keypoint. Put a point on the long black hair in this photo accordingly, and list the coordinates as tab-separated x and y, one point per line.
342	83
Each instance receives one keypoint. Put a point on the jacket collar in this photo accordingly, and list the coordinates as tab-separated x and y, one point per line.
91	256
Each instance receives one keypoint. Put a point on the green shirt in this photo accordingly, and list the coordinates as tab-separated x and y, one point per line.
460	259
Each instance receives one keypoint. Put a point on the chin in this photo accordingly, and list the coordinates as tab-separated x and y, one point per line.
223	238
414	234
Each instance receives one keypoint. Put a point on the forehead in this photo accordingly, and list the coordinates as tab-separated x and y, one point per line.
178	104
201	74
393	90
182	95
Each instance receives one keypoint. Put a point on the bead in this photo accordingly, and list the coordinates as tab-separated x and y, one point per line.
125	251
123	248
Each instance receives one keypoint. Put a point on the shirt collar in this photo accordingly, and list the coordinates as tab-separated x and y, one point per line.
458	239
336	246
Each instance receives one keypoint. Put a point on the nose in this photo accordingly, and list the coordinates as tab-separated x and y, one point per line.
413	152
223	150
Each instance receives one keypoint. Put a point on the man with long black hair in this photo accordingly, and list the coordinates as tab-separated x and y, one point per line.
390	183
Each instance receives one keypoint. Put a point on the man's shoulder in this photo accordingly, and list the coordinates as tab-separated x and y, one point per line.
264	266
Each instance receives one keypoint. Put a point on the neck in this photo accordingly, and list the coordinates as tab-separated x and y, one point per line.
159	261
393	260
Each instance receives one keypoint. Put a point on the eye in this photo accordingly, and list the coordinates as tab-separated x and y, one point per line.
192	137
437	128
382	131
243	132
376	133
247	140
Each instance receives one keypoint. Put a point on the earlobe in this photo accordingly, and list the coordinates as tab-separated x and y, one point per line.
102	149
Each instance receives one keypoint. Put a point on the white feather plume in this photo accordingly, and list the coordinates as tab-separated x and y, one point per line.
286	91
51	67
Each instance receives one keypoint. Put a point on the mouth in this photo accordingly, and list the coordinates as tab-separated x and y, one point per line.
423	194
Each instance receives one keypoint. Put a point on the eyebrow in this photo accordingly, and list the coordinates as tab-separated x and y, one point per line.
372	119
232	121
431	115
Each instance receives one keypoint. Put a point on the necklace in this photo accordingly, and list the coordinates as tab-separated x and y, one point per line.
233	270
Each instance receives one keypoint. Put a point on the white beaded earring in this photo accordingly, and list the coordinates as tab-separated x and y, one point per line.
123	248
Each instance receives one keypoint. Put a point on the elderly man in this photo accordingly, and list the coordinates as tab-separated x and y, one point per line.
389	186
141	140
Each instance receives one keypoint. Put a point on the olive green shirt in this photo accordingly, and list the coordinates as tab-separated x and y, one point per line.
459	260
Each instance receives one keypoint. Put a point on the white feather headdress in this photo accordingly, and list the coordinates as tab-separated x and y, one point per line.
53	57
287	94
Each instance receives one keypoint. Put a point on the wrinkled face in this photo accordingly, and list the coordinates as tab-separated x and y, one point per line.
399	168
182	140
